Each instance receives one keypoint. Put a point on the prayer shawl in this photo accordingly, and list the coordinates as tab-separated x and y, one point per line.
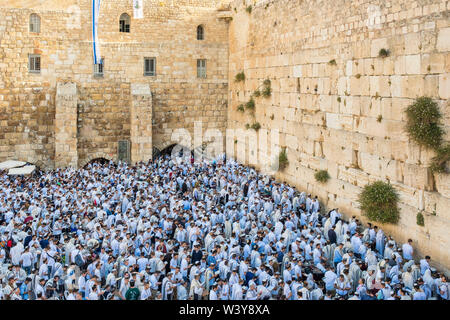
371	259
355	274
228	229
380	242
328	252
338	230
327	227
415	272
165	285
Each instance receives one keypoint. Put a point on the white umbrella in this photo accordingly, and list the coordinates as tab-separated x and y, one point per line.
11	164
27	170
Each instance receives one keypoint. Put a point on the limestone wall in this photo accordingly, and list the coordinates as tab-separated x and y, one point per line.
167	32
348	117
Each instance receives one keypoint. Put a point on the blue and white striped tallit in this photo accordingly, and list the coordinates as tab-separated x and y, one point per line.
95	15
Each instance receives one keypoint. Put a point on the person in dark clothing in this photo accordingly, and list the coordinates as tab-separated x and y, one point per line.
246	189
332	235
249	275
184	188
196	254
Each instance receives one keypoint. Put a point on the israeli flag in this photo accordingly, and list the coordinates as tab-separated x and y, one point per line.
138	9
95	15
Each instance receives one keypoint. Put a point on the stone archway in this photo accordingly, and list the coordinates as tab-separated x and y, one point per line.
166	148
97	155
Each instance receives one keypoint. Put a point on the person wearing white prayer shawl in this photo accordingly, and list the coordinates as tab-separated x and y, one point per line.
16	253
317	293
355	274
251	292
213	292
329	279
443	288
380	240
237	290
361	289
370	279
338	230
167	287
424	265
371	258
404	295
408	250
224	290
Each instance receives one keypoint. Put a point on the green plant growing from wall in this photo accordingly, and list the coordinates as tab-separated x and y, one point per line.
423	117
247	126
240	108
322	176
378	201
239	77
332	62
256	126
423	123
439	161
267	91
420	219
249	9
283	161
250	105
383	53
379	118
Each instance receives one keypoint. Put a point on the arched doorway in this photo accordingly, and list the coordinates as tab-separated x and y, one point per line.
100	161
168	150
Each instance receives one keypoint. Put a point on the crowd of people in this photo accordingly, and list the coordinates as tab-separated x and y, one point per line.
178	229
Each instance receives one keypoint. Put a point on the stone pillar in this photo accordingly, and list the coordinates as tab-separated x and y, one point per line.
141	122
66	153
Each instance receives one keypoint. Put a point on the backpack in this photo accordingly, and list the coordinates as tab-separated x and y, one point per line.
79	261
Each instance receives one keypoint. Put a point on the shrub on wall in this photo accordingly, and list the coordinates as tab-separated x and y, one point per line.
267	92
378	201
423	122
283	161
240	108
256	126
250	104
249	9
439	162
420	219
423	117
239	77
322	176
383	53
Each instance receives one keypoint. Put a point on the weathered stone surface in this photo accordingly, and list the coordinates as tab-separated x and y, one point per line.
351	115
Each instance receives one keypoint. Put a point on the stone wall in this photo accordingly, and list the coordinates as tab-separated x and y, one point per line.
167	32
347	116
66	146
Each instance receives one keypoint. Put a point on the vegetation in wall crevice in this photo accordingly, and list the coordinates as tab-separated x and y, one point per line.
283	161
378	201
423	127
420	220
322	176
